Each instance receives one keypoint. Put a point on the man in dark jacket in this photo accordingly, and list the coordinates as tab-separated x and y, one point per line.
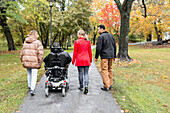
106	48
57	57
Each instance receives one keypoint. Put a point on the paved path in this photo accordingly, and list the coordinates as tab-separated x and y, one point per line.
75	101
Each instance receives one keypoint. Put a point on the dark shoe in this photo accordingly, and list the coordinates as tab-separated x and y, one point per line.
110	87
105	89
32	92
81	89
85	90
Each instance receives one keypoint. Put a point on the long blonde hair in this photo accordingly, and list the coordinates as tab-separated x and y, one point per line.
81	32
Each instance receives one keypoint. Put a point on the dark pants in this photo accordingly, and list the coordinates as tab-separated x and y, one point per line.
84	69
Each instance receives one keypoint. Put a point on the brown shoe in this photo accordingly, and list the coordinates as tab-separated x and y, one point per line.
110	87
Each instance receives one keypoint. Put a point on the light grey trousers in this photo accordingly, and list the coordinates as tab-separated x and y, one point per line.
32	77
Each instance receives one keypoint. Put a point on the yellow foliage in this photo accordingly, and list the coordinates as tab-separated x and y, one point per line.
157	11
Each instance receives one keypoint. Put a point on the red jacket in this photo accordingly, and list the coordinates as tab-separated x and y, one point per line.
82	52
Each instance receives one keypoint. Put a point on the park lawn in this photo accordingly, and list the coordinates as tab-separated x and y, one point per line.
13	79
143	85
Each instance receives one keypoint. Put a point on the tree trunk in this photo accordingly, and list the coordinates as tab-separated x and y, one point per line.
59	39
118	37
63	5
69	40
7	32
124	34
150	37
125	10
41	33
22	34
156	29
47	40
54	37
94	37
44	34
62	40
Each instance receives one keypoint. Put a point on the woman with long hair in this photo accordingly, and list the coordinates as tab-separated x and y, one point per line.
31	57
82	57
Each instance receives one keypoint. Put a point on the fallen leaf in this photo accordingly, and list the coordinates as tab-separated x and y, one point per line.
126	110
160	60
165	105
158	101
122	111
157	73
164	77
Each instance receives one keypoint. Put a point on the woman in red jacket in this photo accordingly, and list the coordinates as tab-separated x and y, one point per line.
82	54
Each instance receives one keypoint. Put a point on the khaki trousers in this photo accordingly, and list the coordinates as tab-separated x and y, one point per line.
106	72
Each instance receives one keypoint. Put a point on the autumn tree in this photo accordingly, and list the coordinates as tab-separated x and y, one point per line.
124	9
9	10
110	17
96	7
37	16
68	22
155	24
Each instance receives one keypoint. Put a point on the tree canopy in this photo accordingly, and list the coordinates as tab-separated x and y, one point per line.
155	19
19	17
22	17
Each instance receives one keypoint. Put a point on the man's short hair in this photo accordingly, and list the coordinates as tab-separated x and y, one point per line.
56	44
101	26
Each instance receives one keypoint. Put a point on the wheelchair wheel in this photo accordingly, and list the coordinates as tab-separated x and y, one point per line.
67	86
63	91
47	92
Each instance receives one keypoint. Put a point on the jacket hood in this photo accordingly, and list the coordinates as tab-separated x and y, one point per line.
30	39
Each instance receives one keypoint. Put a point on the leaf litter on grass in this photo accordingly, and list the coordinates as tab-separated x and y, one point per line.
143	82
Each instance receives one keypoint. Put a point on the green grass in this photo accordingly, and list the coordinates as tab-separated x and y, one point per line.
13	80
3	48
143	87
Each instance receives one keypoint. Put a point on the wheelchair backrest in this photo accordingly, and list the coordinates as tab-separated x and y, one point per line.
57	59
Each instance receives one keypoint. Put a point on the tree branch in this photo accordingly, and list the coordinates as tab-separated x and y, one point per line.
124	5
127	4
144	6
118	5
